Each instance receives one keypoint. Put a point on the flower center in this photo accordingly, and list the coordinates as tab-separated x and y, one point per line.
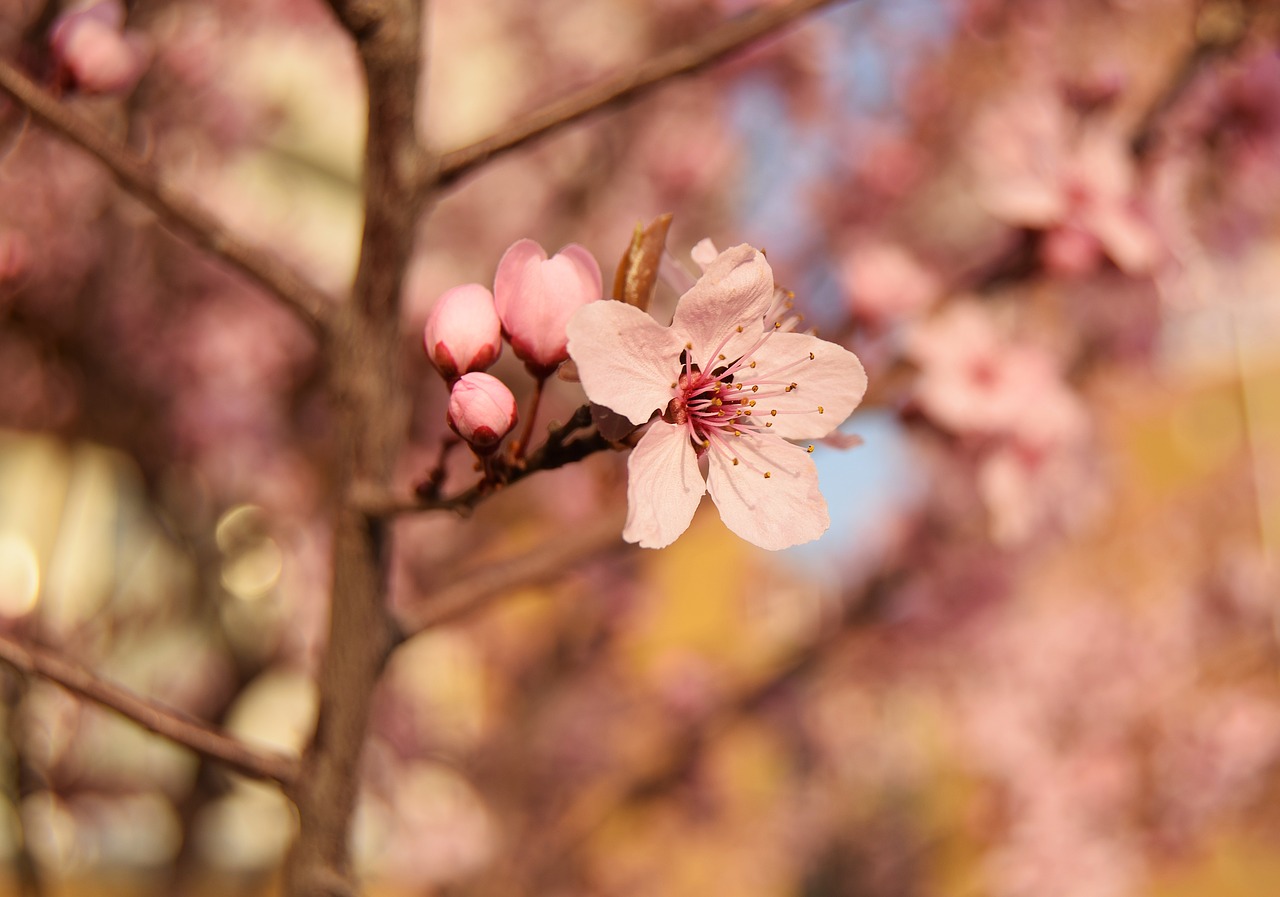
719	400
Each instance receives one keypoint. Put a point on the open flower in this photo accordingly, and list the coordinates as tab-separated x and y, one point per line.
730	385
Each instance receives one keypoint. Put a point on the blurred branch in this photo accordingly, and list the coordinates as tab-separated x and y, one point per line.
1221	26
596	804
547	562
164	721
204	230
364	388
624	88
557	451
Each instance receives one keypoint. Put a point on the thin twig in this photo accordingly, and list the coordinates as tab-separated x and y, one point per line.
625	87
547	562
526	432
186	217
151	715
557	451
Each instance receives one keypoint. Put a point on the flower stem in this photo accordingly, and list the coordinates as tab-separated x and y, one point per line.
526	433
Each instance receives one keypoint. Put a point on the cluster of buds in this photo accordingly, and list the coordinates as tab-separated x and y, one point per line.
532	300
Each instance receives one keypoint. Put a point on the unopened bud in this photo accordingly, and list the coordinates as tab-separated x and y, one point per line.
536	296
93	50
482	411
463	333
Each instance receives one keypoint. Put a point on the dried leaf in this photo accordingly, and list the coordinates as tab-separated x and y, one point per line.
638	270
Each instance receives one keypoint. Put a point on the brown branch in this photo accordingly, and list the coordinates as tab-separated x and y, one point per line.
692	57
186	217
557	451
593	807
546	563
151	715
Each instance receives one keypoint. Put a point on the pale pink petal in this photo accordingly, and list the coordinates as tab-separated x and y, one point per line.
586	271
704	254
664	485
776	511
1130	242
626	360
516	261
827	387
736	291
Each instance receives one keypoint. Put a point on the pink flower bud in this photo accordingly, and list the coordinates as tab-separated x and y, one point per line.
463	333
537	295
482	411
93	50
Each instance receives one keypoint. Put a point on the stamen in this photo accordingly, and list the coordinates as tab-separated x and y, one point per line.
809	450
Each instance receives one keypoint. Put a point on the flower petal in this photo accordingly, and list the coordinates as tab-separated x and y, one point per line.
735	291
511	272
776	511
664	486
626	360
833	381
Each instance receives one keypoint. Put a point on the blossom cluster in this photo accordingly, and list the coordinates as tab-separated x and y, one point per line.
722	391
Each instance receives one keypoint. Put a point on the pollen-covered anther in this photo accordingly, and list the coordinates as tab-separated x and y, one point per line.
735	462
767	475
809	450
773	412
755	388
768	423
811	356
821	410
751	402
720	357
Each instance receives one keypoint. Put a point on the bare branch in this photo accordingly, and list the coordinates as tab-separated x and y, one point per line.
153	716
546	563
557	451
308	301
626	87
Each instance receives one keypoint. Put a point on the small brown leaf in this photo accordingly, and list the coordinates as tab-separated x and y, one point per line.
638	270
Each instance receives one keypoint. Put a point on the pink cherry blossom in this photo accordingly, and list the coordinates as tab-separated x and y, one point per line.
729	386
463	333
482	410
536	296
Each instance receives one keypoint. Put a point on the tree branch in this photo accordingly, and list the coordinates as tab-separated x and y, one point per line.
557	451
546	563
187	218
153	716
692	57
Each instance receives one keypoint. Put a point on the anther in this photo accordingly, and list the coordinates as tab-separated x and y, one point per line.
820	411
721	357
768	423
735	462
751	402
753	364
689	346
773	412
777	325
739	328
753	389
767	474
809	450
811	356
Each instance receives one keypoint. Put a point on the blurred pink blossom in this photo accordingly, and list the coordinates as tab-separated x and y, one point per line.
729	388
463	333
481	410
536	296
884	281
972	380
96	53
1034	169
